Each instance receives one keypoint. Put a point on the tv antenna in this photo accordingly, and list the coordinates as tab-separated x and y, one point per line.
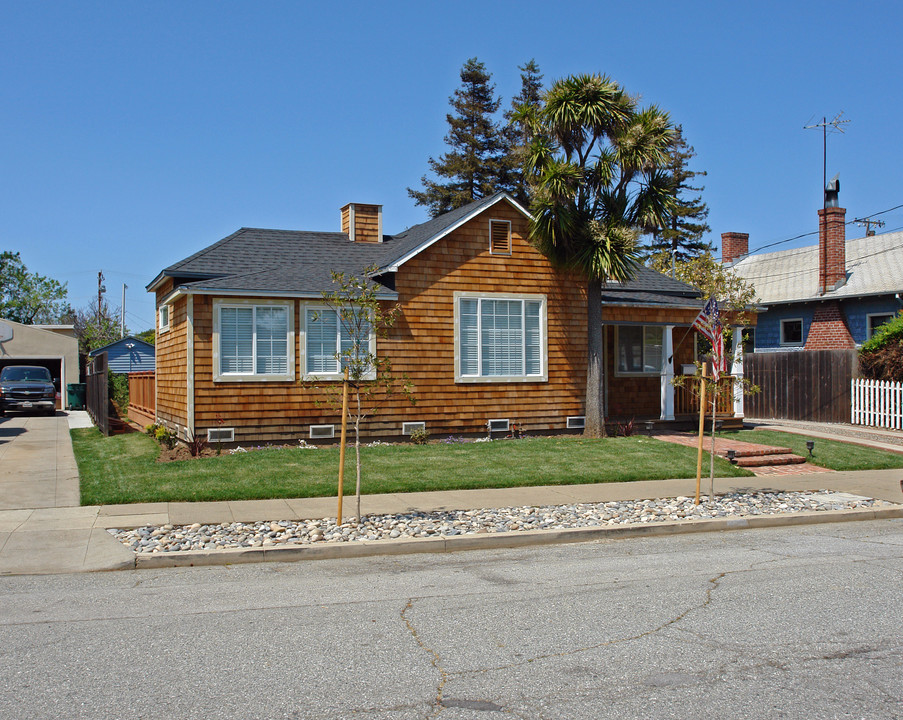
837	127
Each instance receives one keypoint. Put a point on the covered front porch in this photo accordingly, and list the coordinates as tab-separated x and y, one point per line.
642	362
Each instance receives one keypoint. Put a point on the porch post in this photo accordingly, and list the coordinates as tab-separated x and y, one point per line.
737	369
667	402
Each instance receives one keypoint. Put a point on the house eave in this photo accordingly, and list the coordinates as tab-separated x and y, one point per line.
187	290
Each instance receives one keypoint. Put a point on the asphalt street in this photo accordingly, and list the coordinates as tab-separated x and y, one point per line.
800	622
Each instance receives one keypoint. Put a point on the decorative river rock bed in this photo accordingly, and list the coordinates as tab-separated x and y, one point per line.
178	538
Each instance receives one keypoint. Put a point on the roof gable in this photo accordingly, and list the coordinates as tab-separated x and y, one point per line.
416	239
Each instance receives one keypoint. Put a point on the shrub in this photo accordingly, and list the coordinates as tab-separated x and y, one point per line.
881	356
118	389
196	445
420	436
165	437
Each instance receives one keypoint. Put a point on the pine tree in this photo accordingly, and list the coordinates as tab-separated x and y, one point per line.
517	133
680	238
471	167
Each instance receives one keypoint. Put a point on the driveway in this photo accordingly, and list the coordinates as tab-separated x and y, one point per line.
42	527
37	467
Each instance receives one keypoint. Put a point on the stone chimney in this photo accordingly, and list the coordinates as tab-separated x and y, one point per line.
734	245
363	223
832	264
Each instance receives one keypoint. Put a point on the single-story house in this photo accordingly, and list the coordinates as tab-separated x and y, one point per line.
128	354
829	296
52	346
488	330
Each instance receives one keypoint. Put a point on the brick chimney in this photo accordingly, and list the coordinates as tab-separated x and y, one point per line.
363	223
734	245
832	264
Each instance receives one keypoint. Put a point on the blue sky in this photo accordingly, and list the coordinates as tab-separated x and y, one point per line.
134	134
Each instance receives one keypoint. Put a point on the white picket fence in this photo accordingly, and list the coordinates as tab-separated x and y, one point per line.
878	403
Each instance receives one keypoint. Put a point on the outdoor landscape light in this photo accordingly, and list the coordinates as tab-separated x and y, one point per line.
809	445
732	456
650	426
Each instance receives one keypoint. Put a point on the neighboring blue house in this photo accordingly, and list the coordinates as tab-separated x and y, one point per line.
128	355
829	296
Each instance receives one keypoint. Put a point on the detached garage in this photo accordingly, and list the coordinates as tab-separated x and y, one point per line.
54	347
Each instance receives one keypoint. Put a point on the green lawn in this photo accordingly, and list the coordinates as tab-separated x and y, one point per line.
123	468
827	453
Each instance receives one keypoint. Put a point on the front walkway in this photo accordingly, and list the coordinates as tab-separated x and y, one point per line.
722	445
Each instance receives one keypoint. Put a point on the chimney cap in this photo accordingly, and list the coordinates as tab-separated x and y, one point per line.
832	190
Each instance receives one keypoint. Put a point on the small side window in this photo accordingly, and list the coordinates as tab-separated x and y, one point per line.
792	332
499	237
164	318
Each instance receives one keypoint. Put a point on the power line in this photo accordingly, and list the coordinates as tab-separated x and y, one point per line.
815	232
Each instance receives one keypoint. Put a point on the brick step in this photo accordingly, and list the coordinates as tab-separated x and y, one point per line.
770	460
759	452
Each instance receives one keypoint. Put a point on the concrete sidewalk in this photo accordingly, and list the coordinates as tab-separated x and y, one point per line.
60	540
74	539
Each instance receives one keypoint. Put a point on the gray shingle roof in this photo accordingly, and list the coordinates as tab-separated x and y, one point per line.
290	262
874	267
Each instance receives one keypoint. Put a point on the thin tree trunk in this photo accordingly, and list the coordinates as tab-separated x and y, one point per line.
595	369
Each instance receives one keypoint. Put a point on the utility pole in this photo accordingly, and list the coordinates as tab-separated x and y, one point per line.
122	313
100	291
867	224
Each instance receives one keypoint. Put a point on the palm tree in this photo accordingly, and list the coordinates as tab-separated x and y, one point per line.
594	163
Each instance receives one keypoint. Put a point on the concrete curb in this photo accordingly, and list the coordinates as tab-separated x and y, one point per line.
490	541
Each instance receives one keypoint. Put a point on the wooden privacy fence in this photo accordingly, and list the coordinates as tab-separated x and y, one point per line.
878	403
142	398
804	385
97	397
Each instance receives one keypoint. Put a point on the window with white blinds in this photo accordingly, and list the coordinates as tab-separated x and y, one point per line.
329	340
254	341
640	349
501	338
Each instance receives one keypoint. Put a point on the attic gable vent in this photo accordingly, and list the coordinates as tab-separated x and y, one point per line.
499	237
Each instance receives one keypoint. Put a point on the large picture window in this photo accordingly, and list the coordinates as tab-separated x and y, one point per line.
500	338
640	349
253	341
328	337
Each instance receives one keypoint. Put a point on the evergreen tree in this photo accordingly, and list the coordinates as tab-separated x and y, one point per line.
470	170
680	237
517	133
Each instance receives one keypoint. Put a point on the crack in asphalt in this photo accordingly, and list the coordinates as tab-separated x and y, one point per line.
713	584
435	660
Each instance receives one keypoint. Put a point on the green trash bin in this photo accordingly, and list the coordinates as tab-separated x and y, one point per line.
75	393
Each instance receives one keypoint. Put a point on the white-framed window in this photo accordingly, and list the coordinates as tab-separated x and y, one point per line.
792	331
163	317
639	349
499	237
253	340
876	320
326	338
500	338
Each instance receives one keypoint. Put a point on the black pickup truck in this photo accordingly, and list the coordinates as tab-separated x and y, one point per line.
27	387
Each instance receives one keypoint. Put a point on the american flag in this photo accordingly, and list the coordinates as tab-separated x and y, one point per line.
708	323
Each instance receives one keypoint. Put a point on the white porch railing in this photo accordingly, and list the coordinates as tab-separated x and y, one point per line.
878	403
